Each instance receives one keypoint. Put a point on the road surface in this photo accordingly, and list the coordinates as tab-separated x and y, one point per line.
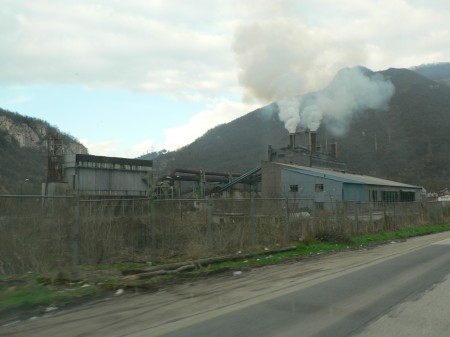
388	289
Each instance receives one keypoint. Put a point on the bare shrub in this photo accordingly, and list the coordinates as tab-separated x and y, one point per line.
333	235
39	234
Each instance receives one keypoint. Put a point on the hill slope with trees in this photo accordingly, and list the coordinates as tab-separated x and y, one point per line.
23	152
409	142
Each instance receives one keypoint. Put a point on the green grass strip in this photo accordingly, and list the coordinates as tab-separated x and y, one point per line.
317	248
34	293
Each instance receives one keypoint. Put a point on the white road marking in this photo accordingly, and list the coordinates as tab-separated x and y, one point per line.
443	242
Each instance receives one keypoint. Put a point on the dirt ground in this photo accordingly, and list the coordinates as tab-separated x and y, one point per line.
136	314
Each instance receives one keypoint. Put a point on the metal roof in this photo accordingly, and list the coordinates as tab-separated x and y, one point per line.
112	160
345	177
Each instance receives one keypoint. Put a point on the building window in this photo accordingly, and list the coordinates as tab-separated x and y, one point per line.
407	196
319	188
373	195
293	188
390	196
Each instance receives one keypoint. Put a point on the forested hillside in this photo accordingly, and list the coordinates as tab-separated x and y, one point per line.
409	142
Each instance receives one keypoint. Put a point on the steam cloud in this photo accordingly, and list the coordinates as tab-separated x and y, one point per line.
352	90
282	58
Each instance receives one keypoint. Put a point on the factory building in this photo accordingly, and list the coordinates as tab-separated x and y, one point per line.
313	172
94	176
328	185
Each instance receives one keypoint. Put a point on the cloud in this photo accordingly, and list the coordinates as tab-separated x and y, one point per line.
293	47
17	100
183	49
203	50
223	111
117	148
148	46
218	112
282	57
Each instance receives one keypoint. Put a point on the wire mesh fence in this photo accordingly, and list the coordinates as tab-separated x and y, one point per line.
42	234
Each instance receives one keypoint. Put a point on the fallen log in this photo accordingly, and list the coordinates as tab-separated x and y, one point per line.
177	267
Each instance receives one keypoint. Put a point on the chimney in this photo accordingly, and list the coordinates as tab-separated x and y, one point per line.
271	153
312	141
292	141
334	149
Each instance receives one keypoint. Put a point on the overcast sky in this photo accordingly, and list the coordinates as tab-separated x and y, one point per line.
130	77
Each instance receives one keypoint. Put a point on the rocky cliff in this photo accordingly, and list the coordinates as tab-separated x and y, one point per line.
23	152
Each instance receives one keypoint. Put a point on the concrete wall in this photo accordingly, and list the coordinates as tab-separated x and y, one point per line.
270	179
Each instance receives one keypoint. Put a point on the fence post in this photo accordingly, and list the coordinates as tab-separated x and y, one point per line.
152	229
357	211
209	226
287	234
75	242
252	220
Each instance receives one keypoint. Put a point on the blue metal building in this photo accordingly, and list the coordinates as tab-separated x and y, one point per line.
327	185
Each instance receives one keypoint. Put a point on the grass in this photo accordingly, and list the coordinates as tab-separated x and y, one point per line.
317	248
32	291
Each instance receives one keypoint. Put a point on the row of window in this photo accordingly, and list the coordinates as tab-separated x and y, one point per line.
391	196
317	188
374	195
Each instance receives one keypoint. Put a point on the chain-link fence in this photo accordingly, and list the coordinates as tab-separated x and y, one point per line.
45	234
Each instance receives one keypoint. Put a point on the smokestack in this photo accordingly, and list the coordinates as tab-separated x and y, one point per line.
312	141
292	141
334	149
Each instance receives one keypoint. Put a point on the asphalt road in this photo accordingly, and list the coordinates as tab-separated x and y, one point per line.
352	293
338	307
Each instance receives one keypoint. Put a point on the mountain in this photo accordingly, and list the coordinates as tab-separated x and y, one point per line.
439	72
23	152
408	142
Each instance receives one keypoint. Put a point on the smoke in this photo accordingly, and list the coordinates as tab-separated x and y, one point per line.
289	108
282	57
351	91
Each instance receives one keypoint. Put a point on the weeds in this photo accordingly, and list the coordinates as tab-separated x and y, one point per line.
31	291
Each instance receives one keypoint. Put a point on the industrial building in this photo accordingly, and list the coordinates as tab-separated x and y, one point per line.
93	176
99	175
313	171
304	150
327	185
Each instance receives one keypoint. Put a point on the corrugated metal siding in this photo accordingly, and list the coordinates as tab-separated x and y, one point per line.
348	177
354	192
307	186
116	182
107	176
278	178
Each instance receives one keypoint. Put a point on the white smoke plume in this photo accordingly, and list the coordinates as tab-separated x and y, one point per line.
289	108
351	91
282	59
